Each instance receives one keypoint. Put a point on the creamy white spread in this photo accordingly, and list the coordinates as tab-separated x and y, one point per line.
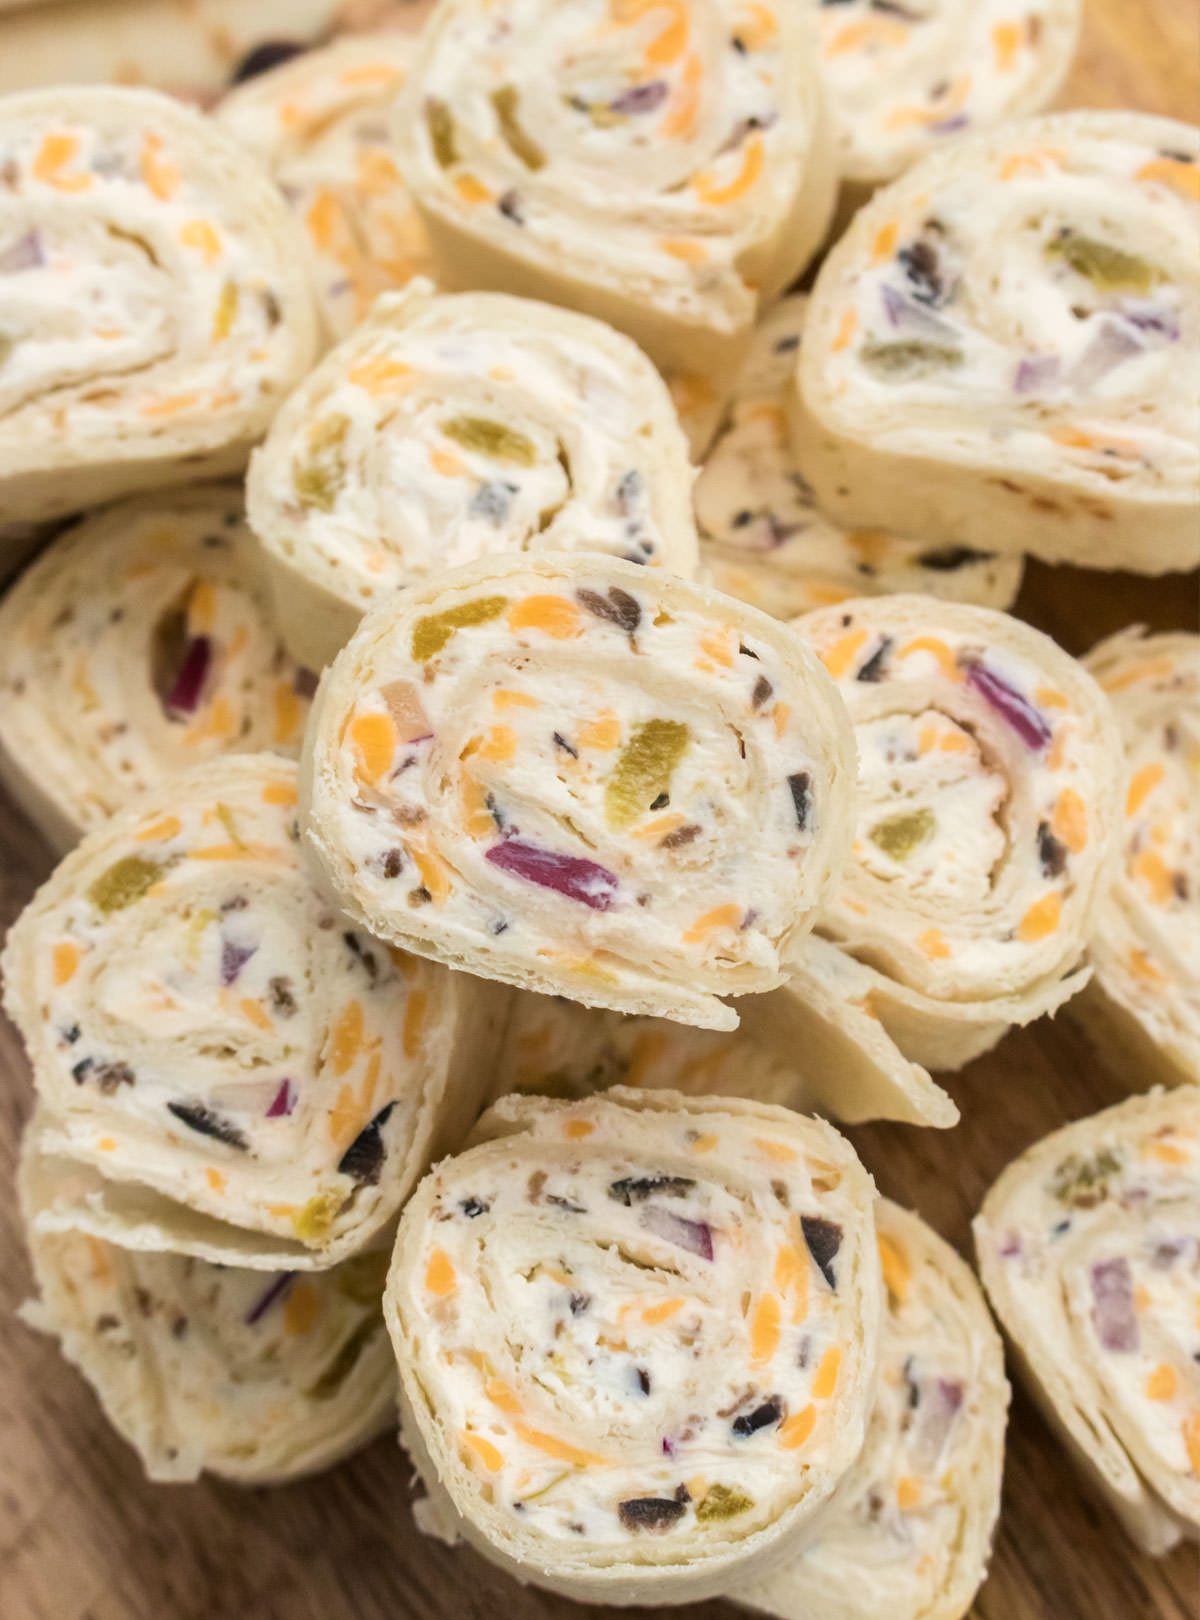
763	537
987	795
903	79
639	1331
140	644
581	772
321	125
1042	289
201	1023
449	429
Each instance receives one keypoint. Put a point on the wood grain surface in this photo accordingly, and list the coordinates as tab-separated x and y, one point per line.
84	1537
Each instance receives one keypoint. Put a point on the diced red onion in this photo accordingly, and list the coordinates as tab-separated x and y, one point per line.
569	875
1112	345
909	315
284	1100
1155	318
642	98
233	959
941	1402
26	253
1036	372
265	1300
694	1236
1010	705
1113	1312
193	672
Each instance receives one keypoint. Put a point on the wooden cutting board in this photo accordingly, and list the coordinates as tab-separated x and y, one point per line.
84	1537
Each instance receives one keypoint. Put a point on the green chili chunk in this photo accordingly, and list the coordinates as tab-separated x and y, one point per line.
644	770
721	1502
431	633
1084	1181
1107	267
491	439
319	478
344	1362
908	358
440	123
362	1277
527	149
317	1216
124	882
901	836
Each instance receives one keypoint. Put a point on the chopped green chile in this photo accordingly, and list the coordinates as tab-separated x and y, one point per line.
124	882
721	1502
319	479
317	1216
344	1362
362	1277
230	826
505	101
644	770
902	835
431	633
490	438
1084	1181
908	357
1109	268
440	122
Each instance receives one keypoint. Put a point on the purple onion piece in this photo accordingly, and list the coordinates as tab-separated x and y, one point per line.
907	314
193	672
569	875
284	1100
951	126
265	1300
1154	318
1112	345
233	959
694	1236
1113	1313
941	1402
1036	372
1010	705
642	98
26	253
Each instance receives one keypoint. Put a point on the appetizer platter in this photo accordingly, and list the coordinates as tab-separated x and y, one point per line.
600	809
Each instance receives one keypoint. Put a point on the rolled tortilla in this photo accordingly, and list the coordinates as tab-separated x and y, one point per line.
1004	349
1089	1246
235	1075
139	643
1144	1000
664	165
154	307
582	777
764	539
259	1379
319	124
194	50
636	1338
909	1530
987	818
448	429
901	80
790	1050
